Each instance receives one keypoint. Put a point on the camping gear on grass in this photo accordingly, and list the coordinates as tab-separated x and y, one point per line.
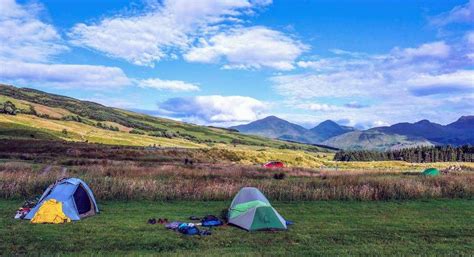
72	197
173	225
252	211
25	208
211	221
188	229
431	172
21	213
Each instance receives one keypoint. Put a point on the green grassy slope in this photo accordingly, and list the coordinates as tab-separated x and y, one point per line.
47	115
325	228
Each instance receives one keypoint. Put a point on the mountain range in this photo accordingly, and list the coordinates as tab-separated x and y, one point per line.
274	127
32	113
400	135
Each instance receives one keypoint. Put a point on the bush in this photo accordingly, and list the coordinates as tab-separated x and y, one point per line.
279	175
8	108
136	131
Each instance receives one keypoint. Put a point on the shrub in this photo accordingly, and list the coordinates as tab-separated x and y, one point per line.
8	108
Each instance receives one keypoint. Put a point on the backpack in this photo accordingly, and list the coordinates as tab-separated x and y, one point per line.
188	230
211	221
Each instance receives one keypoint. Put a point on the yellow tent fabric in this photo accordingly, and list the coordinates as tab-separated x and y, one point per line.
50	211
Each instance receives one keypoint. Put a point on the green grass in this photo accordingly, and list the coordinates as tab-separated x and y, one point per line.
322	228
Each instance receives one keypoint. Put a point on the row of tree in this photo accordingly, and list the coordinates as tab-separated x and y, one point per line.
419	154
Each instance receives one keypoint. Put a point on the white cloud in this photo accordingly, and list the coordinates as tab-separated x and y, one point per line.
213	109
316	65
402	85
245	48
91	77
435	49
160	31
171	85
462	78
381	76
28	47
469	38
337	84
64	75
318	107
461	13
24	36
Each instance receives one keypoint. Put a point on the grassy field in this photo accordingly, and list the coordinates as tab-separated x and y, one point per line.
324	228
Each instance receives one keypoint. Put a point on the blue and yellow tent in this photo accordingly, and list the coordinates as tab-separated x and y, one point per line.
65	200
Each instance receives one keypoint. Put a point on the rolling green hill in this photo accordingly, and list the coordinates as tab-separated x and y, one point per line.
41	115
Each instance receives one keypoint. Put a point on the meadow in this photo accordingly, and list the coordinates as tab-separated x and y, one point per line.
322	228
126	173
371	208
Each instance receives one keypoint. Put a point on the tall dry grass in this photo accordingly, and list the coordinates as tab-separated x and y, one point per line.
127	180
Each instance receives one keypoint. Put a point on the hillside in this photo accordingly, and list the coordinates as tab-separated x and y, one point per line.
47	116
457	133
274	127
374	140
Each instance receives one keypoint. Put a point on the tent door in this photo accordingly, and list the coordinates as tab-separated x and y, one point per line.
84	204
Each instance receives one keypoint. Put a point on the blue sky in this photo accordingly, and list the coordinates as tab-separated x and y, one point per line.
361	63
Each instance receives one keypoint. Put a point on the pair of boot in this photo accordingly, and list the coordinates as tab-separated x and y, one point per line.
159	221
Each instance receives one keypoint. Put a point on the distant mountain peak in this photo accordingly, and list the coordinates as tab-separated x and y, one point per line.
328	123
466	118
423	122
329	128
271	118
464	123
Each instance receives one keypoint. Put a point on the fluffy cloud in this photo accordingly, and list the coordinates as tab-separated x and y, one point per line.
317	107
64	75
93	77
462	13
435	49
171	85
24	36
462	78
161	29
398	85
29	46
245	48
213	109
377	75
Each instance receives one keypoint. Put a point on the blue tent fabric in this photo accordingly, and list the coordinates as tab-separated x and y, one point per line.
63	191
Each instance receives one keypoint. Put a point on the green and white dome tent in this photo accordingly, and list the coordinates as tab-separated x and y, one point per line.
433	172
252	211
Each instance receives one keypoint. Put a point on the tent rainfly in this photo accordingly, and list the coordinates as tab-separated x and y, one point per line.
431	172
252	211
65	200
